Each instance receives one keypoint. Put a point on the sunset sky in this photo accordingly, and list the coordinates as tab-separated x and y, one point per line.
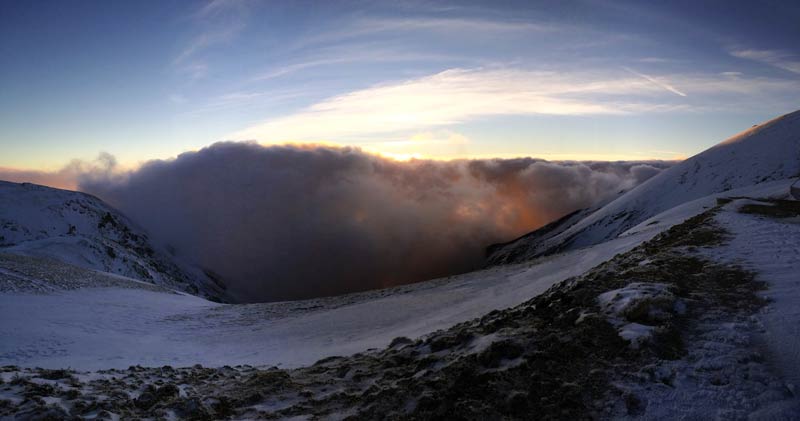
595	80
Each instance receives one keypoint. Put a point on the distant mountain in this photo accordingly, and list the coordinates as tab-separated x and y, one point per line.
82	230
765	152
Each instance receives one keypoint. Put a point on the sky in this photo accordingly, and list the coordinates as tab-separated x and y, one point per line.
566	80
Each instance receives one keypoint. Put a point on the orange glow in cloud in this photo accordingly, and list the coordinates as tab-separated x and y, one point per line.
365	220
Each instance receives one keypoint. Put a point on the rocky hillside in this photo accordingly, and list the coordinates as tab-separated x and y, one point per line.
81	230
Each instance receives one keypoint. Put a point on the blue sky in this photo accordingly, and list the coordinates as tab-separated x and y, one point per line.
558	80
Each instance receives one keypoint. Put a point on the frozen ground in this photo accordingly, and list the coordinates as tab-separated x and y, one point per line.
740	358
770	247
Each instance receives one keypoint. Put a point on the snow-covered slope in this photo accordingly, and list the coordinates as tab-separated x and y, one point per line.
765	152
520	250
770	247
80	229
100	325
57	322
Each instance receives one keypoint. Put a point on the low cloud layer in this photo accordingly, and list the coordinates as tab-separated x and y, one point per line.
288	222
67	177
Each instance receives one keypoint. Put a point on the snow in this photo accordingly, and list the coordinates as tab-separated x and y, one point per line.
680	213
80	229
771	248
520	249
93	327
97	328
636	333
723	376
737	365
764	153
619	304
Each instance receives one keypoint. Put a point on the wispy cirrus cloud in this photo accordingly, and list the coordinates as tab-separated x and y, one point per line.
655	60
372	26
357	53
215	8
452	24
207	39
240	100
658	82
457	96
776	58
218	22
445	98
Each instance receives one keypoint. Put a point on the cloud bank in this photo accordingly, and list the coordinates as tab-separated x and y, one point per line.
291	222
68	177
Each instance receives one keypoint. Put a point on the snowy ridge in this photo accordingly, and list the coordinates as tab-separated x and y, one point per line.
520	250
81	230
765	152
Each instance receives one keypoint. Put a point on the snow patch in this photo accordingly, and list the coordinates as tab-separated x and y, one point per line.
627	308
635	333
771	248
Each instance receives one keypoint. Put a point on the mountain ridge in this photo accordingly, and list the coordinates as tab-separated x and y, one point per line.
765	152
80	229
